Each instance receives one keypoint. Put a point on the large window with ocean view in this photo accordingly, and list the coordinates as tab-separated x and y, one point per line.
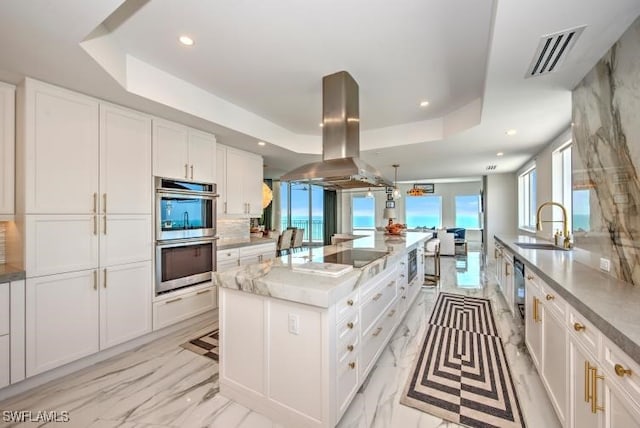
363	213
581	210
424	211
301	206
562	181
468	211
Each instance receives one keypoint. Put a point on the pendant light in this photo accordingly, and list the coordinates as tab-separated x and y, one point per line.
397	194
369	193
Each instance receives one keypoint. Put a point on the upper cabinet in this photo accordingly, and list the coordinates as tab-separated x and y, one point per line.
241	194
7	148
183	153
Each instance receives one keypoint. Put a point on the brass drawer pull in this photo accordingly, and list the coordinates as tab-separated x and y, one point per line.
594	390
177	299
350	348
350	302
587	396
550	297
203	291
350	324
95	202
104	203
578	327
104	284
377	332
377	296
352	365
621	371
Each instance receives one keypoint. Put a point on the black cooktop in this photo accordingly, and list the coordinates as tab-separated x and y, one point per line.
355	257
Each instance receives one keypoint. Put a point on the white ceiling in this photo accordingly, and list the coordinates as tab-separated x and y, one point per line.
255	70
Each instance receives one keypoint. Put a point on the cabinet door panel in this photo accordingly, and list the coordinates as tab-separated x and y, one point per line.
618	411
7	148
4	361
128	239
125	303
61	151
46	235
532	325
253	173
554	359
221	178
202	156
170	150
580	407
125	161
236	204
61	319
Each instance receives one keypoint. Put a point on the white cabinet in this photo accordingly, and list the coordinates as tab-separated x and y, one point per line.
5	368
183	305
61	319
533	330
250	254
7	148
243	184
499	265
125	239
125	303
221	179
581	414
183	153
11	332
508	280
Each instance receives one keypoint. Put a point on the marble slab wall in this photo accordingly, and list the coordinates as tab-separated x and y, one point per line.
606	157
232	229
3	230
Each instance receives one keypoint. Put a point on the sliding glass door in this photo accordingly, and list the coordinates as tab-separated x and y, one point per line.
302	207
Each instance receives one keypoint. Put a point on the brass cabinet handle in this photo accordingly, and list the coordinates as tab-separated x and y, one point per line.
401	288
104	203
587	396
377	332
192	172
95	202
95	279
248	207
104	283
530	277
594	390
550	297
495	253
506	270
186	170
225	207
392	313
578	327
377	296
350	348
350	302
203	292
352	365
177	299
535	309
350	324
621	371
95	225
105	224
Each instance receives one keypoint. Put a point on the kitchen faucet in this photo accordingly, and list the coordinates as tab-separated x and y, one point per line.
565	223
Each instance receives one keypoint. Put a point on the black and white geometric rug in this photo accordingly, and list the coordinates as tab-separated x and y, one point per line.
461	373
207	345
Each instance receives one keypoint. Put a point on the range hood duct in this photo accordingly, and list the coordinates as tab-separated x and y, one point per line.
341	166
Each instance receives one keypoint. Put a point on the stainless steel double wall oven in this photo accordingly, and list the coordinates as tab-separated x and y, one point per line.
185	233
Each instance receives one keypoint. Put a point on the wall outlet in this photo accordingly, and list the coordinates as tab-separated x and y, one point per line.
294	324
605	264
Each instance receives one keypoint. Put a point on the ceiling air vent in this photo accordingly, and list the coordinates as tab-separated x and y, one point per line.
491	167
552	50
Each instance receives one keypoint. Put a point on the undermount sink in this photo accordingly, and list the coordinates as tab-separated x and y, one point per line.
539	246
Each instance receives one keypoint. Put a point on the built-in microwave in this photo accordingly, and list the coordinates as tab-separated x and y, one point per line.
182	263
185	210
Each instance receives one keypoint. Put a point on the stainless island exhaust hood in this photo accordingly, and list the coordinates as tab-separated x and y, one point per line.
341	166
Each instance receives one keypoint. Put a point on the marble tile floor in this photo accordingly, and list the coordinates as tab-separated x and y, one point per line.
163	385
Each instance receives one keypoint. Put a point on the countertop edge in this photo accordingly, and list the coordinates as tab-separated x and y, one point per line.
9	273
619	338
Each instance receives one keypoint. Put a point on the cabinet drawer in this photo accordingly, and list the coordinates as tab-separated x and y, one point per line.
257	249
348	348
4	361
173	310
347	306
346	331
629	381
371	284
373	340
347	383
377	302
226	255
553	302
4	308
583	331
226	265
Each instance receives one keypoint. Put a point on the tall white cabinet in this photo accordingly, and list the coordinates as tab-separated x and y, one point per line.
7	148
241	186
85	200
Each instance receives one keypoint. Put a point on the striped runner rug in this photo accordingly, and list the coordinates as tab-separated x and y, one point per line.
206	345
461	373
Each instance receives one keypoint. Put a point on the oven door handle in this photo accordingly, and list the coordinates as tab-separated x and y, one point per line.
188	193
182	242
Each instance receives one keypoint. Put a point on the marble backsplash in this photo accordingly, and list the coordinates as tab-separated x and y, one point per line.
232	229
606	156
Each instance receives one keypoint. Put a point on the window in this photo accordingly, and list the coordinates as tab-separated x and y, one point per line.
527	199
581	210
364	213
424	211
301	206
561	180
468	211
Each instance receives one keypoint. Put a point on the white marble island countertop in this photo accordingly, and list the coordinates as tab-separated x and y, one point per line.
611	305
278	279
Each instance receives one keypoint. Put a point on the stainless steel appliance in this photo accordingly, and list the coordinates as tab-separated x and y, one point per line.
351	256
185	233
413	264
518	289
182	263
185	209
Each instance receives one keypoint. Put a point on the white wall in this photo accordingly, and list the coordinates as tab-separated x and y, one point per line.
501	204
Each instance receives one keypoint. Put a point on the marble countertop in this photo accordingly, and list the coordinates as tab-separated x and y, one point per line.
276	278
9	273
251	241
609	304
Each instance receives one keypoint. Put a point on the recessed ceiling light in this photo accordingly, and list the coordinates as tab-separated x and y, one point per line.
321	125
424	103
262	143
186	40
511	132
499	154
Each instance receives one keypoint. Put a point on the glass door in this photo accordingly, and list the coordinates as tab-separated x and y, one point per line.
301	206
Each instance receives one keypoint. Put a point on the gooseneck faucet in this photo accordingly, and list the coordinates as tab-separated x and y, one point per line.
565	222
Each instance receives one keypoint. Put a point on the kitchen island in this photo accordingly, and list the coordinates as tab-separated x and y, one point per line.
296	344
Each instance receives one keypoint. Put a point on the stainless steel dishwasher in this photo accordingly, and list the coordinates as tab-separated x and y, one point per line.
518	300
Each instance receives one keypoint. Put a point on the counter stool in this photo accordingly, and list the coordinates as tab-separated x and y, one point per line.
432	252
